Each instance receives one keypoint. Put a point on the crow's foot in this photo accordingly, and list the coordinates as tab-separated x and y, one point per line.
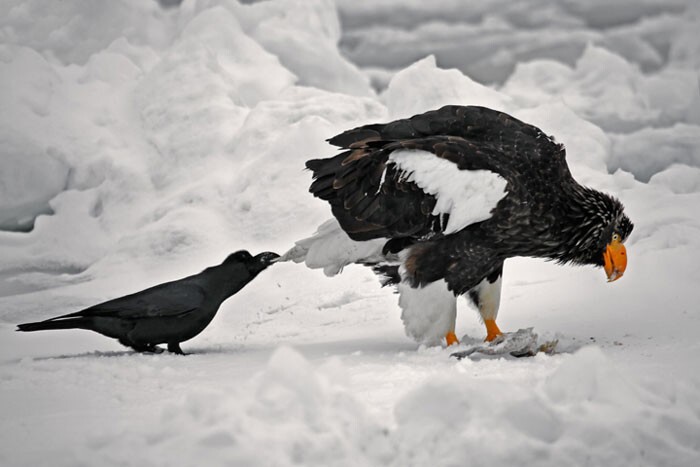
174	347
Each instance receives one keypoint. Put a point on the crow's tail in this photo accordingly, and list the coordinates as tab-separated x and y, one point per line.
68	323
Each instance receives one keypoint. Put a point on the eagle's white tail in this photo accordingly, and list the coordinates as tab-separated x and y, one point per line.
331	249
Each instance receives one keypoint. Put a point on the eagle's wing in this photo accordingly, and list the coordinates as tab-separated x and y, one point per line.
434	173
505	133
414	188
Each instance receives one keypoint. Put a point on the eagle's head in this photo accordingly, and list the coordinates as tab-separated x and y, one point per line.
601	234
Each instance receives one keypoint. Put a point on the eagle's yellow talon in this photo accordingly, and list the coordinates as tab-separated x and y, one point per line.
492	330
451	338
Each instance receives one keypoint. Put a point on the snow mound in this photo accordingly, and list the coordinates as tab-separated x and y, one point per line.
306	43
431	87
678	178
196	98
563	420
293	413
149	132
30	178
53	30
652	150
289	414
609	91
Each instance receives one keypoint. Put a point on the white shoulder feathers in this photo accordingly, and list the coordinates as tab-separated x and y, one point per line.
468	196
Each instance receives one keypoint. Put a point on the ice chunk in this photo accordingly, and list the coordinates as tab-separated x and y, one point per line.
304	35
678	178
73	31
29	178
423	86
610	91
193	102
486	41
652	150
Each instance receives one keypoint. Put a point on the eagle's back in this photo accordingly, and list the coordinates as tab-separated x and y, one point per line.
371	195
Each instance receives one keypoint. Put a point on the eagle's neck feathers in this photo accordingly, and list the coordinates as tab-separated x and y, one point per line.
587	217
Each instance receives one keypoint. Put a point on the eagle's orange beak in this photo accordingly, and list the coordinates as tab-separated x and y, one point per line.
615	258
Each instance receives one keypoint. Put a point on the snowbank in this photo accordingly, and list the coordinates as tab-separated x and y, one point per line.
609	91
287	415
565	419
30	179
430	87
148	130
581	409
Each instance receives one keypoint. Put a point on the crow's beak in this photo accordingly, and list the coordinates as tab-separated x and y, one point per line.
267	257
615	260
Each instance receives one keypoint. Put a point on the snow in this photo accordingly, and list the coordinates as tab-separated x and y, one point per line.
489	39
31	179
145	144
429	87
624	99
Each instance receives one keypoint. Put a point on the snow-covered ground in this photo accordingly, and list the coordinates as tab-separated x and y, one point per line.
140	145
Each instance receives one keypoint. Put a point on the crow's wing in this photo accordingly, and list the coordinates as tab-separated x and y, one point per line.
170	299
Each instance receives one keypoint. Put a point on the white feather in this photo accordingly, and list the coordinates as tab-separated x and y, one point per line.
489	298
428	312
330	248
468	196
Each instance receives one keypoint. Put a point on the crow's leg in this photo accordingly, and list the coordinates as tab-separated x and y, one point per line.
174	347
146	348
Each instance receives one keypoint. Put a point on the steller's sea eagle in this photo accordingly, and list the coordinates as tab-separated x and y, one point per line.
437	202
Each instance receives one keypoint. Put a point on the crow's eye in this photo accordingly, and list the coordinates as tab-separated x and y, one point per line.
616	237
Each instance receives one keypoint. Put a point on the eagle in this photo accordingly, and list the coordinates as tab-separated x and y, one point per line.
437	202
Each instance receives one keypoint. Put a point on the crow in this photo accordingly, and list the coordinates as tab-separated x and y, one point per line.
168	313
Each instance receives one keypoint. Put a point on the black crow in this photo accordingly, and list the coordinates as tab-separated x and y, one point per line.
168	313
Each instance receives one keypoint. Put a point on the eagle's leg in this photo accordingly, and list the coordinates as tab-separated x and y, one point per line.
429	312
451	338
487	297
